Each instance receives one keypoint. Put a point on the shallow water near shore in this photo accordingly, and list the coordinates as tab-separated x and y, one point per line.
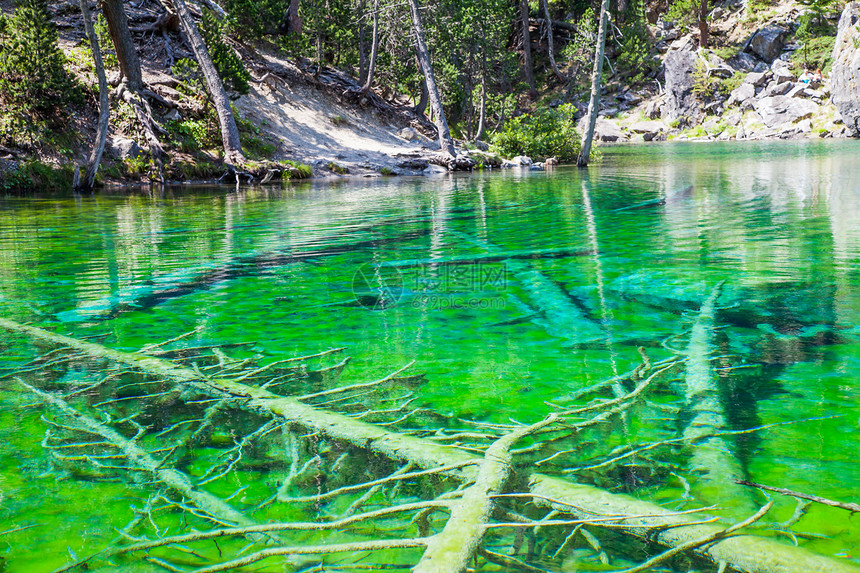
509	290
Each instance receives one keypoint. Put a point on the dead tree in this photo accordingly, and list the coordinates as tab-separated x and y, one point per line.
240	387
549	42
528	63
594	99
92	167
229	130
446	142
374	47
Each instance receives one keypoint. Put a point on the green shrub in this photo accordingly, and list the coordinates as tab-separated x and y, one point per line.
547	133
230	68
36	176
32	75
295	170
335	168
814	54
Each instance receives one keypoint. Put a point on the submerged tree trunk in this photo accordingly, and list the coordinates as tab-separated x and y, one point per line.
594	100
374	47
528	65
549	41
446	142
126	53
89	178
229	131
746	553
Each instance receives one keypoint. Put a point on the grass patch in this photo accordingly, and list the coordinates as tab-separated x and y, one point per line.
386	171
338	120
294	170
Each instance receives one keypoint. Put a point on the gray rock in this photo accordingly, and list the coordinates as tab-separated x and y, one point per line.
767	43
432	170
652	109
845	73
741	94
780	110
783	74
408	134
681	102
775	89
481	145
123	148
757	79
522	160
743	62
721	71
608	131
645	127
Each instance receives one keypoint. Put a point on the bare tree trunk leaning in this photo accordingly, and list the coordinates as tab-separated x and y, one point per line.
89	179
528	65
549	43
374	48
421	106
126	53
594	101
229	131
446	142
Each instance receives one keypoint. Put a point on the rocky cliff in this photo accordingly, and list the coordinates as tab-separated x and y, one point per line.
845	75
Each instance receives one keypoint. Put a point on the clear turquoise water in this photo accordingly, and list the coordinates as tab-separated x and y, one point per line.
622	256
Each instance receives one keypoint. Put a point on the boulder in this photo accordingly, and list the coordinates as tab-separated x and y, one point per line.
679	66
767	43
740	94
845	73
783	74
608	131
435	170
124	148
522	160
652	108
408	134
781	110
645	127
776	89
758	79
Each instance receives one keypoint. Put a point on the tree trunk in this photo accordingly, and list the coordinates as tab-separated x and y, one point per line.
421	106
89	179
594	100
549	41
374	47
528	67
482	113
126	53
446	142
229	130
362	43
704	33
742	552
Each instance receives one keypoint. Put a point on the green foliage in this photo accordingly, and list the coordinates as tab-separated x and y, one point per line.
105	43
635	57
706	86
386	171
335	168
295	170
230	68
683	12
814	54
547	133
36	176
338	120
32	75
579	51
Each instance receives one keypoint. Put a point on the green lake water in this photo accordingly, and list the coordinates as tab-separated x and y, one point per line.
509	290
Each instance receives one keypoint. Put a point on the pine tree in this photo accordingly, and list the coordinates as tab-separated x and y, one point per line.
231	69
31	63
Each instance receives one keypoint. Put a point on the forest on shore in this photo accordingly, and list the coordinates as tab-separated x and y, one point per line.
153	90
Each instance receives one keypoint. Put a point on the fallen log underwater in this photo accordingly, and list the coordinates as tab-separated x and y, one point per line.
642	519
